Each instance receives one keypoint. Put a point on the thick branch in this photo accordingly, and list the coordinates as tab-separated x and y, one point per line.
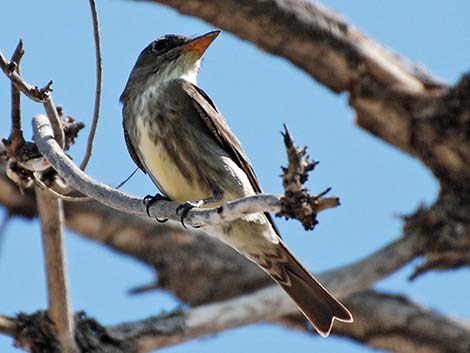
52	222
446	225
382	321
311	36
123	202
396	324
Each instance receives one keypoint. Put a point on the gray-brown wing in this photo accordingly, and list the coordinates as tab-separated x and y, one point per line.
219	128
132	152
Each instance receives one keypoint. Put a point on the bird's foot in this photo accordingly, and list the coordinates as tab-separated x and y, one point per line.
149	200
184	208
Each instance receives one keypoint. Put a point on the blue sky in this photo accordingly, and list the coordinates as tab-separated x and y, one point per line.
375	181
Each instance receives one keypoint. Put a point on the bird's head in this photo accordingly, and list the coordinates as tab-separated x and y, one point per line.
168	58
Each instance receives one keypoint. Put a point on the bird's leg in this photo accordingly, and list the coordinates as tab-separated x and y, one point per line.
184	208
149	200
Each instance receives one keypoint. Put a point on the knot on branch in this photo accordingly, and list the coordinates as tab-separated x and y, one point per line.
37	332
71	129
23	163
42	93
297	202
445	228
92	337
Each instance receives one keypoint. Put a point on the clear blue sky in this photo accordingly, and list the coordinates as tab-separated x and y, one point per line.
375	181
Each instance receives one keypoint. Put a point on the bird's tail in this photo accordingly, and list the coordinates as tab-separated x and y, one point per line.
315	302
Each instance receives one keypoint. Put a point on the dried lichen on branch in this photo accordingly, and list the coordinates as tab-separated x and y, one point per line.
297	202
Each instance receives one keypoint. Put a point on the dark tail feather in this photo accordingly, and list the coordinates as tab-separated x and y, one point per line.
315	302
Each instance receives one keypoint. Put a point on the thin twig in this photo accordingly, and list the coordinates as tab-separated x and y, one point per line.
58	195
99	70
69	198
52	224
40	95
127	179
16	135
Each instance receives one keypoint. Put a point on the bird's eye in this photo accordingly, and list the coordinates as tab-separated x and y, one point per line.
160	46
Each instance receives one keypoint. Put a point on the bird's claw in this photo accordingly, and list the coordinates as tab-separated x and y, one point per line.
184	208
149	200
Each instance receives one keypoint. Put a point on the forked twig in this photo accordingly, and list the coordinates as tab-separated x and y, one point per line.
41	95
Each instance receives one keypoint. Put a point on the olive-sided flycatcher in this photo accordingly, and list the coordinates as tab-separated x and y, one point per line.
176	135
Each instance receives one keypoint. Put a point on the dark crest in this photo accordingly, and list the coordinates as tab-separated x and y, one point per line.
164	44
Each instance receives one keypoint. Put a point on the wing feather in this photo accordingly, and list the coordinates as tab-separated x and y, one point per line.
221	132
132	152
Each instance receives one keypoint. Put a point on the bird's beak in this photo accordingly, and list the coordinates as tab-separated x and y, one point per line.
200	44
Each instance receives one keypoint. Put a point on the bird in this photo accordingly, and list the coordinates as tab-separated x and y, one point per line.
175	133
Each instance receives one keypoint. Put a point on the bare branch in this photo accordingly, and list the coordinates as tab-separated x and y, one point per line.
52	221
387	322
446	226
16	139
442	261
397	324
383	321
99	79
123	202
8	325
381	263
311	36
118	186
167	246
135	236
41	95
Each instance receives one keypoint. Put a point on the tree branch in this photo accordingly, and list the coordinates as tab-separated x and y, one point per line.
163	209
8	326
397	324
312	37
52	221
99	78
384	262
16	139
177	254
166	247
41	95
395	101
446	225
383	321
